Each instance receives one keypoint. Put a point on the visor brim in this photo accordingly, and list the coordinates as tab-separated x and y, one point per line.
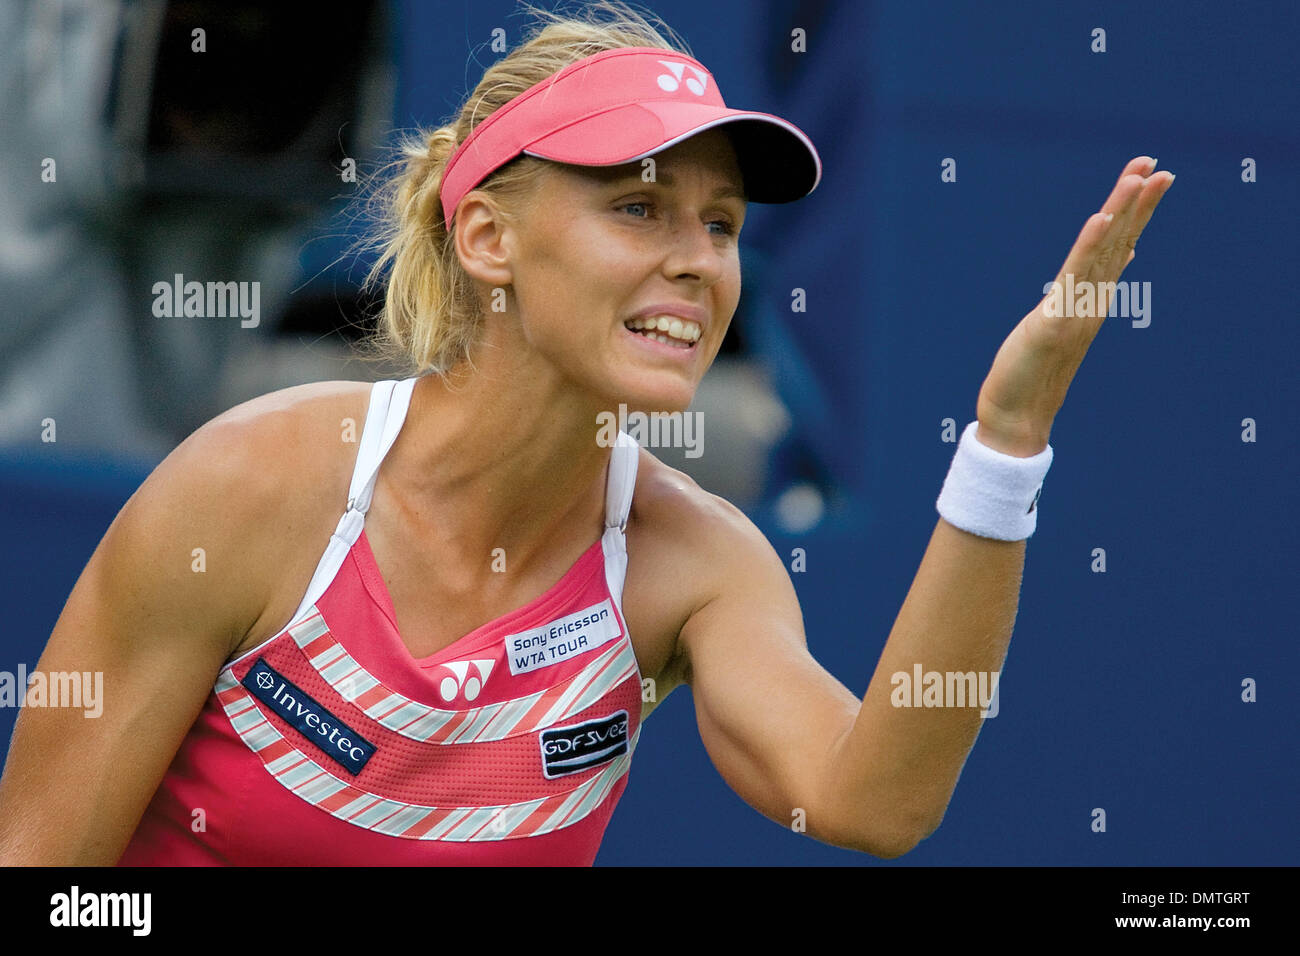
777	160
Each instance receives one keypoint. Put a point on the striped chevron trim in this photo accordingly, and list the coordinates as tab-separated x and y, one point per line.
433	725
310	782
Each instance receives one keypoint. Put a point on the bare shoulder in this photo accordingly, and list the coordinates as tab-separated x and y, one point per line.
274	446
676	512
283	404
254	491
687	546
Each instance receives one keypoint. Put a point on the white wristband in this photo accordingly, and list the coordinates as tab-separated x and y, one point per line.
992	494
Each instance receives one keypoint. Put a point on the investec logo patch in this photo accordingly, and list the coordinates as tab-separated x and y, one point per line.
582	746
340	742
563	638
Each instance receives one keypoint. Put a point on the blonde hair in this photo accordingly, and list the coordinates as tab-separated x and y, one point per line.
431	317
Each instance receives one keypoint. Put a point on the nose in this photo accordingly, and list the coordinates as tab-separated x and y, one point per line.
694	252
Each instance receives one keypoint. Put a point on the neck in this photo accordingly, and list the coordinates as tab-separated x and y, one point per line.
503	455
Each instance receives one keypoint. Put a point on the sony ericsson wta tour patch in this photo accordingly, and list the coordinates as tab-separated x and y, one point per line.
562	639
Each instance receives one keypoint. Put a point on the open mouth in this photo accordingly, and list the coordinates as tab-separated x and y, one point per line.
667	329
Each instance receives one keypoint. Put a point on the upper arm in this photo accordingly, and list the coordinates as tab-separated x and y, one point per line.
168	592
769	715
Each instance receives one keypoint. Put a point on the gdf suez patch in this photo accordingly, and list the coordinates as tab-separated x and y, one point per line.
579	747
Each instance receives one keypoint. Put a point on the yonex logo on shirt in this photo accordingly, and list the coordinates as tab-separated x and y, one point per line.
463	682
336	739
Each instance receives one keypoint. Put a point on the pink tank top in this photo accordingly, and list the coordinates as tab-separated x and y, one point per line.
330	745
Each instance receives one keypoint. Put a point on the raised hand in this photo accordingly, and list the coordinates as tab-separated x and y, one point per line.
1036	364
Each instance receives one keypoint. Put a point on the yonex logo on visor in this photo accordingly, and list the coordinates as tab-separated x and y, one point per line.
620	106
695	84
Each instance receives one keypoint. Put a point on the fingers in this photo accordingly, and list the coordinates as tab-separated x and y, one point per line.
1120	237
1129	183
1127	226
1153	190
1087	246
1124	194
1139	165
1099	232
1105	244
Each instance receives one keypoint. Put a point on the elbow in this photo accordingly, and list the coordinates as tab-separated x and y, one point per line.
892	846
886	842
912	831
880	818
909	840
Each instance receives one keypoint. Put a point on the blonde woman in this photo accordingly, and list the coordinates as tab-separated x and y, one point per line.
428	605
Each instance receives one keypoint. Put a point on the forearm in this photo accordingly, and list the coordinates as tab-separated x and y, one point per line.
892	772
896	768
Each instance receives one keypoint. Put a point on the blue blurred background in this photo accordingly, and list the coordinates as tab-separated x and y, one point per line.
1122	690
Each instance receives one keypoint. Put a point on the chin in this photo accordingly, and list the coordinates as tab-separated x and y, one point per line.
655	393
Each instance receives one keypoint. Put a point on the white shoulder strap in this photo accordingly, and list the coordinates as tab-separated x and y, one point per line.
622	480
389	401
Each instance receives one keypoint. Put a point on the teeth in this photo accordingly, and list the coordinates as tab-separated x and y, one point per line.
671	330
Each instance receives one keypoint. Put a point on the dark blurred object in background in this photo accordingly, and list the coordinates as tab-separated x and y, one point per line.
199	138
269	110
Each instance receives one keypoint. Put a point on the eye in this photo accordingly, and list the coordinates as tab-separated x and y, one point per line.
727	227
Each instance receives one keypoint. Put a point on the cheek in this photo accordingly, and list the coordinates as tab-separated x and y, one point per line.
574	288
728	298
565	306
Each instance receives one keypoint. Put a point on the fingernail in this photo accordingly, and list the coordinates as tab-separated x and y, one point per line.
1108	217
1153	164
1172	177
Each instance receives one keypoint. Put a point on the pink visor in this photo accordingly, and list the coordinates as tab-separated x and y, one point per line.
621	106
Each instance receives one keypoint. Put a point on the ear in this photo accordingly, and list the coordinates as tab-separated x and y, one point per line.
484	240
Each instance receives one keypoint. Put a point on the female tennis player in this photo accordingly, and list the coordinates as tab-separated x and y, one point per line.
410	622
